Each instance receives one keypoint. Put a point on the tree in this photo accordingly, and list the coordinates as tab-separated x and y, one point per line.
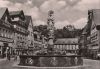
67	31
42	29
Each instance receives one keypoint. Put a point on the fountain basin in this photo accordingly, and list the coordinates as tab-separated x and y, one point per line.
51	60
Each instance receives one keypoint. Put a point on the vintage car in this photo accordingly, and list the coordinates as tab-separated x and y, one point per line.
98	55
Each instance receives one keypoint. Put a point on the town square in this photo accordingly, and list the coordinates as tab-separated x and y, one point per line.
49	34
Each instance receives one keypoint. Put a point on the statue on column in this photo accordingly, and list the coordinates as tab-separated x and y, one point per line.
50	22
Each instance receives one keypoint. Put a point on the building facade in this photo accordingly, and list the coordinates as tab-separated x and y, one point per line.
70	45
91	40
37	41
83	42
16	33
95	32
30	36
6	33
20	25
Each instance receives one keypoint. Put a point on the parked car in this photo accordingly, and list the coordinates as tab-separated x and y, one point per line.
98	55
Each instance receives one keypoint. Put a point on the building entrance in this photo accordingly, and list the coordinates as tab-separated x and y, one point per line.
4	49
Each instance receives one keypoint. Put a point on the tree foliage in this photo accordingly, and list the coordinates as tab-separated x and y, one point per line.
42	29
66	32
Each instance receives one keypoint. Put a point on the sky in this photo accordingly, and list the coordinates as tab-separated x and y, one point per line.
66	12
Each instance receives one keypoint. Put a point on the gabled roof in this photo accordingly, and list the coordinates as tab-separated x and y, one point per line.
15	12
28	19
2	11
67	41
84	31
96	16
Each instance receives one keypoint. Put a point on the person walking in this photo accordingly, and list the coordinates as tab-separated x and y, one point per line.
15	55
15	58
8	55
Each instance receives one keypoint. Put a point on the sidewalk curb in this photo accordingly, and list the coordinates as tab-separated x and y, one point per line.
2	59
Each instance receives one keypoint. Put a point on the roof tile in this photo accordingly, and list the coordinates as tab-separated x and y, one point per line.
67	41
2	11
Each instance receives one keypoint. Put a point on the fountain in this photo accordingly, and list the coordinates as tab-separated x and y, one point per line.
51	59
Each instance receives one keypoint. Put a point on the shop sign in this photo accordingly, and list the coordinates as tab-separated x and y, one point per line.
6	39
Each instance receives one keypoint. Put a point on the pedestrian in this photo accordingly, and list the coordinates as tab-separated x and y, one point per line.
8	56
15	57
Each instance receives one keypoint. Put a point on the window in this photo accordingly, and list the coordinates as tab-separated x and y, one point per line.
18	37
0	31
3	33
74	47
31	33
6	19
22	30
66	47
94	37
6	33
10	32
70	47
77	47
16	19
18	29
23	38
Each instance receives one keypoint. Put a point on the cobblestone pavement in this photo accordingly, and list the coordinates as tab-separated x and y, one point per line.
94	64
91	64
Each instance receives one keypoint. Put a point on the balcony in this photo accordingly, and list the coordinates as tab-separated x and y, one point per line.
22	31
5	24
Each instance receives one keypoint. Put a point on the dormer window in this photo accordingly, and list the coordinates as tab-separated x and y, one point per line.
6	19
15	19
